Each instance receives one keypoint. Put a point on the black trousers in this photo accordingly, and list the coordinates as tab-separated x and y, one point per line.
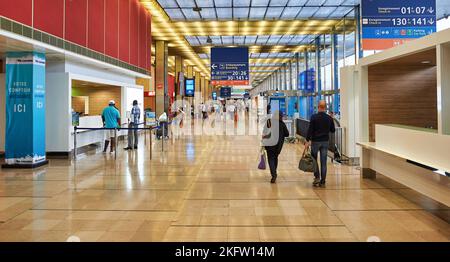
272	158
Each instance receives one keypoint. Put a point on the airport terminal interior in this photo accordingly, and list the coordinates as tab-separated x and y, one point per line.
149	120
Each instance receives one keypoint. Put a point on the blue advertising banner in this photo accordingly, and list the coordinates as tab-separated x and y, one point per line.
25	108
229	66
387	23
190	87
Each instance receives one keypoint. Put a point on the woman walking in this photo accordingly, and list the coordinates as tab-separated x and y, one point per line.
274	133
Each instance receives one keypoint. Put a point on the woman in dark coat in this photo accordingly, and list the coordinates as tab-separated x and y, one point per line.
273	142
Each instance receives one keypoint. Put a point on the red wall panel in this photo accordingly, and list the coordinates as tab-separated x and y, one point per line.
18	10
149	43
134	32
112	26
76	21
142	37
96	25
52	24
124	30
118	28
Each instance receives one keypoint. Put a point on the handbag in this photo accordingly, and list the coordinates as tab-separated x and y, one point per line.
307	162
262	160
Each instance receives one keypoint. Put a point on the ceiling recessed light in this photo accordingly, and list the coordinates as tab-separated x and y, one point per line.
426	62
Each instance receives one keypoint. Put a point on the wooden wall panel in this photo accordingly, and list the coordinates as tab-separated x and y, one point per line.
99	97
52	24
402	94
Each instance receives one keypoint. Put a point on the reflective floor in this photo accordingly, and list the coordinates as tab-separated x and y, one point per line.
206	188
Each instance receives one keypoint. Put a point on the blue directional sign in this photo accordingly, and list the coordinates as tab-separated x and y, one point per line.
387	23
229	66
225	92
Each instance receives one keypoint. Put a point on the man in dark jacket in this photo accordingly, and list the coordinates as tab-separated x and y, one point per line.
318	137
273	142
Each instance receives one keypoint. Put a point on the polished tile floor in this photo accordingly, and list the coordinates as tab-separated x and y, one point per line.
206	188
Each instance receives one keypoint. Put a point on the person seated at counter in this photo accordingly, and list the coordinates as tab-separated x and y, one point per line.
111	119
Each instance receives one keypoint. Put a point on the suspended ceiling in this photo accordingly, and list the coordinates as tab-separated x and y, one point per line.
274	30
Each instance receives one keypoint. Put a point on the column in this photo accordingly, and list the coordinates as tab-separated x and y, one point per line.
358	39
317	69
190	71
335	72
179	69
25	110
443	89
161	62
198	88
291	83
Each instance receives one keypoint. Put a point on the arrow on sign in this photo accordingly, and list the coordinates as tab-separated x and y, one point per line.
430	10
214	66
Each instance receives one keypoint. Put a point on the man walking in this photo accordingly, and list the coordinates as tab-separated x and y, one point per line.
134	123
318	137
111	119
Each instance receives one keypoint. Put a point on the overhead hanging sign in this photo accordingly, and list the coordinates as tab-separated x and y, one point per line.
387	23
229	66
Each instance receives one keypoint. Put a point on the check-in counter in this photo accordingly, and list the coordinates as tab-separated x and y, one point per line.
87	137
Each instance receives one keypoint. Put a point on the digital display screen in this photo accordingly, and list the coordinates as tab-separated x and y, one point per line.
190	87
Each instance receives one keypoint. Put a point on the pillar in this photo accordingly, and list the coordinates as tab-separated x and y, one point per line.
335	72
198	88
317	69
161	62
190	71
179	68
25	110
443	89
